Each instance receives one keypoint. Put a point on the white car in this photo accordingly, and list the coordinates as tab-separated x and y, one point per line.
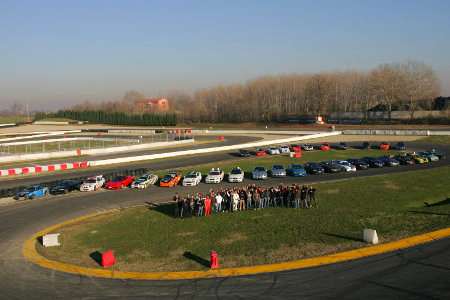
307	147
273	150
348	167
92	183
236	175
285	149
214	176
192	179
144	181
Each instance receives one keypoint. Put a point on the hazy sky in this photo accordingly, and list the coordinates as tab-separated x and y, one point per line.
53	53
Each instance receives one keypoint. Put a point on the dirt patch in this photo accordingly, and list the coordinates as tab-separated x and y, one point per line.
185	234
332	191
391	186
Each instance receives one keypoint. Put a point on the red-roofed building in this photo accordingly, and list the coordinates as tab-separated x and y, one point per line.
152	105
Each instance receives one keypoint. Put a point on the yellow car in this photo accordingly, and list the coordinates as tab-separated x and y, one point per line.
419	159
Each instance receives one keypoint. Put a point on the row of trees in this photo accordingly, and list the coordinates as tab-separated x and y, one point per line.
113	118
272	98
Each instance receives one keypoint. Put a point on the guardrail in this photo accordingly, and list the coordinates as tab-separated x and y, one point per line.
69	139
45	134
210	150
279	132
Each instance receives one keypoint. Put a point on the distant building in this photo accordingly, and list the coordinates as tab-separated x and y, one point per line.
152	105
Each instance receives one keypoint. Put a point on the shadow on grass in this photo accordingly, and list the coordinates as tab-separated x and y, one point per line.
428	213
168	209
440	203
345	237
197	259
427	205
97	257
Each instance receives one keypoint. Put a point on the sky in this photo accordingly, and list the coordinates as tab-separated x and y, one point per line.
58	53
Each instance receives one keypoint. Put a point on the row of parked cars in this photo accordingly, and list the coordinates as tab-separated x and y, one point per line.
216	175
274	150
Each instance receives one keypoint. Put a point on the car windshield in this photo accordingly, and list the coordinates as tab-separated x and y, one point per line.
167	177
236	171
191	176
119	178
214	173
260	169
297	167
91	181
277	167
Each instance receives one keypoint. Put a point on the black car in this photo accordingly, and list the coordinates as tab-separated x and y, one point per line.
374	162
405	159
359	163
331	167
244	153
314	168
65	186
341	146
400	146
366	145
389	161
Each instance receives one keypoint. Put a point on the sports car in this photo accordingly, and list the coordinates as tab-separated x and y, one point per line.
359	163
171	179
215	175
296	148
389	161
307	147
374	162
296	170
418	159
259	173
341	146
192	179
144	181
384	146
260	152
65	186
273	151
244	153
429	155
346	165
278	171
119	182
236	175
404	159
92	183
36	191
285	149
314	168
325	147
331	167
400	146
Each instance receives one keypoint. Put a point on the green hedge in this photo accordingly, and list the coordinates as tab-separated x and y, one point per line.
113	118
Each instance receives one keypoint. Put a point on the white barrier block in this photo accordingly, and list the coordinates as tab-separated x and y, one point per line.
51	240
370	236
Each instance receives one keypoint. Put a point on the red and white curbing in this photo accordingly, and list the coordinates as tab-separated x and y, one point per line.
40	169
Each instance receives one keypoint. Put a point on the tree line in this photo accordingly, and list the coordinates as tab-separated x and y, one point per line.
411	86
112	118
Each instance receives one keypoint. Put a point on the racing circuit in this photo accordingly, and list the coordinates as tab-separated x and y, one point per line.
427	266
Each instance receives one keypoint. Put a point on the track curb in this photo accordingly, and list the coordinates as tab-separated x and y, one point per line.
30	253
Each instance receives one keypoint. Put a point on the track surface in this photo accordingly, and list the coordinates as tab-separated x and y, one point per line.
420	272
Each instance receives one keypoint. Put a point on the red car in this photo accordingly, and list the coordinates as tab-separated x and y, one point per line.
260	152
296	148
325	147
385	146
119	182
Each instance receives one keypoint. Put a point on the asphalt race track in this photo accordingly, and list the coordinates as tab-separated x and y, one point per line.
416	273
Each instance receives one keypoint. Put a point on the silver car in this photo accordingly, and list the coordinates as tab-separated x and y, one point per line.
278	171
259	173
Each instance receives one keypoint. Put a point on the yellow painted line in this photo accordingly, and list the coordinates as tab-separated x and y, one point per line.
30	253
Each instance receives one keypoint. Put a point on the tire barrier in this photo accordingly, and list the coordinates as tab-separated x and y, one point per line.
11	192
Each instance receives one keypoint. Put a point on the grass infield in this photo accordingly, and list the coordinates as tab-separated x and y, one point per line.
148	240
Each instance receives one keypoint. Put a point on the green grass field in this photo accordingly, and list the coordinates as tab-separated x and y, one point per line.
147	239
12	119
441	139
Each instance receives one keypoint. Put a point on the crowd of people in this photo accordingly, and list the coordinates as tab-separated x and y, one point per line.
244	198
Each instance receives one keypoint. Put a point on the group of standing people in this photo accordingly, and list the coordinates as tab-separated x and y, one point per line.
243	198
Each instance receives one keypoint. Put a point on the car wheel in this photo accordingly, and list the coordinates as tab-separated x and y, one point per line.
16	198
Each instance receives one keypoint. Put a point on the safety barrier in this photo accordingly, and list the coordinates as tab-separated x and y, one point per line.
32	136
47	141
111	150
212	149
46	168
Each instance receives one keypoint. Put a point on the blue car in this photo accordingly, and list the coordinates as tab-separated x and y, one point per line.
297	171
36	191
